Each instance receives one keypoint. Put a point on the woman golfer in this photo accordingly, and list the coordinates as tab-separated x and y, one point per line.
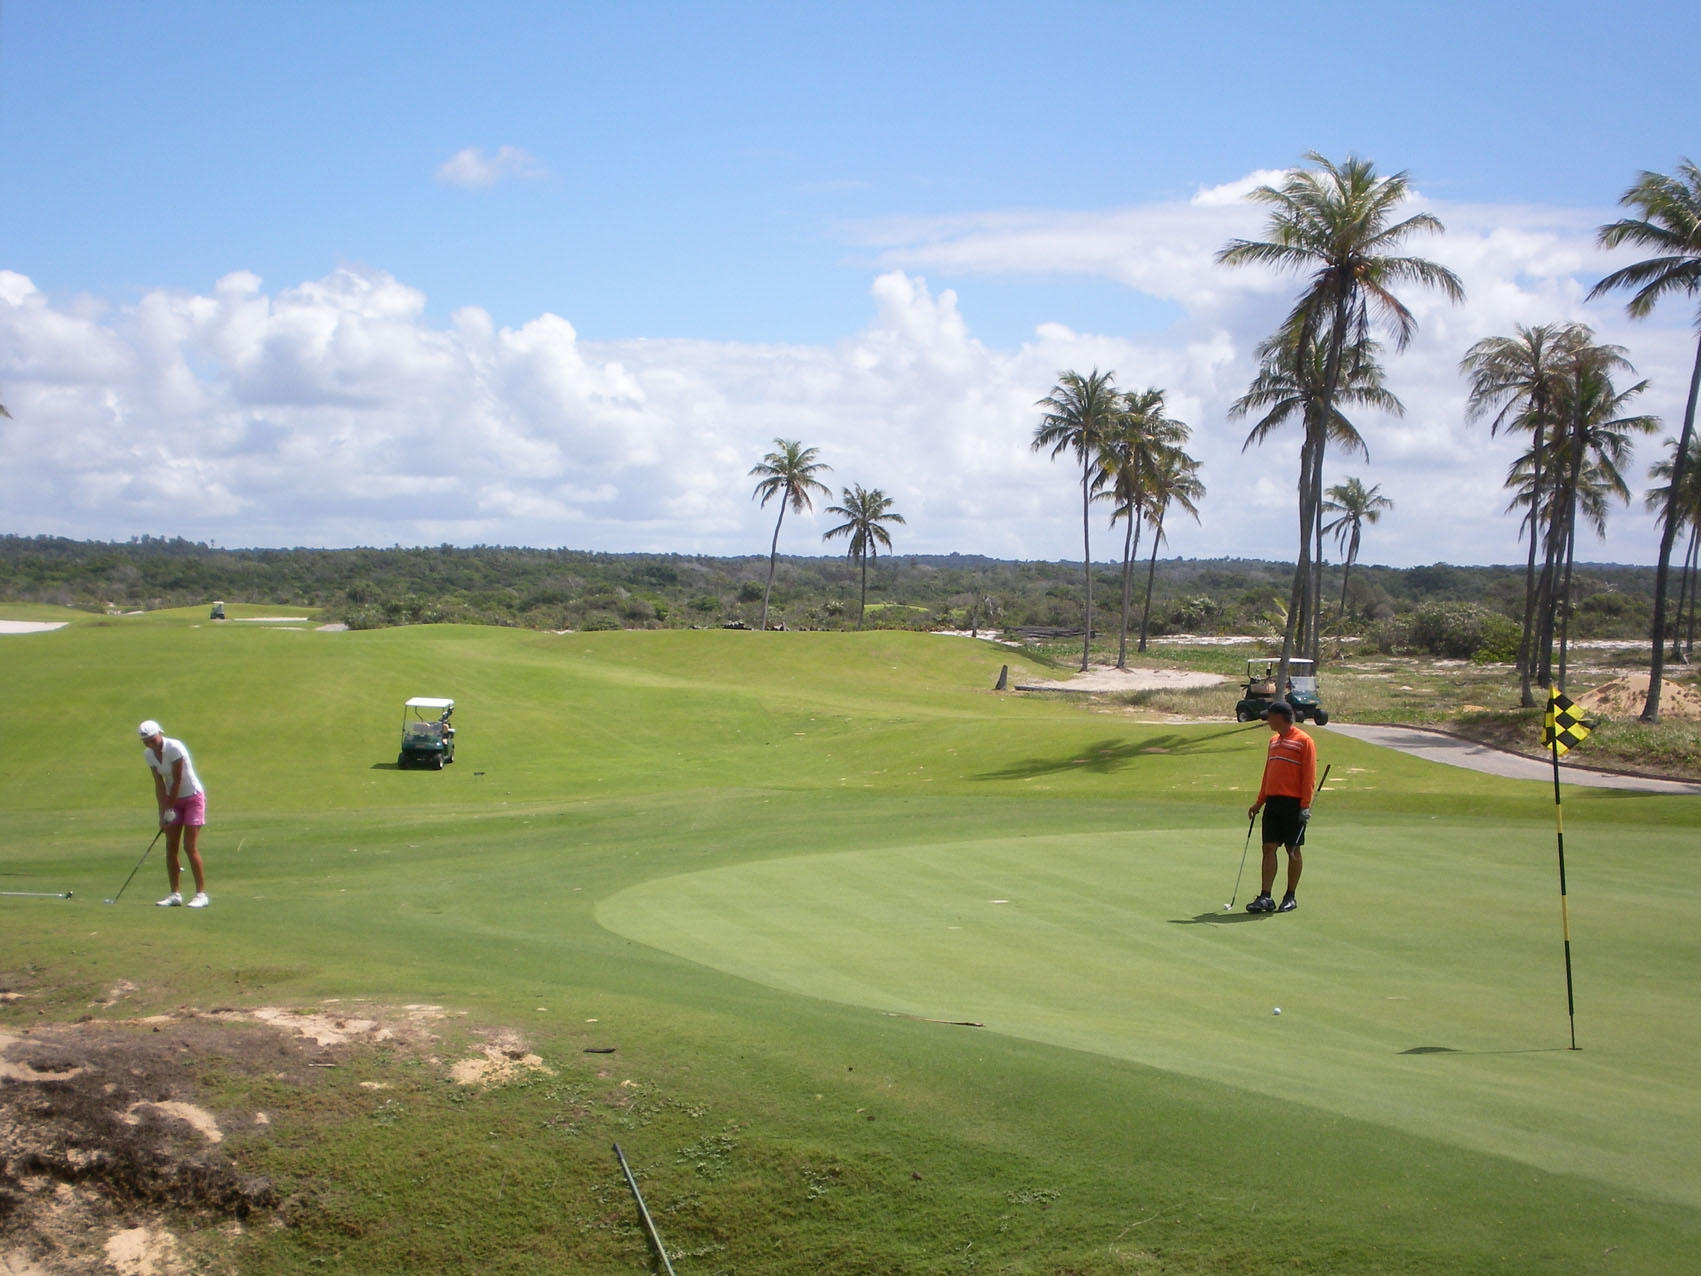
182	809
1290	779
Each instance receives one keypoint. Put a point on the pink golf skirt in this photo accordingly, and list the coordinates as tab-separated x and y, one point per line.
191	811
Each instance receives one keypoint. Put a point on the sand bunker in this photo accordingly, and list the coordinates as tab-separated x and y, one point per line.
1109	678
29	626
1624	698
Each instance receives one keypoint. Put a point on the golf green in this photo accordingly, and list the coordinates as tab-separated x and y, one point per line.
1424	991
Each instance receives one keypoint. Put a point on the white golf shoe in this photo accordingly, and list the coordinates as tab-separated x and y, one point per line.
173	900
200	900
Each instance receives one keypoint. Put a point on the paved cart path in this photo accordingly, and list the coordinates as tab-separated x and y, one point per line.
1437	746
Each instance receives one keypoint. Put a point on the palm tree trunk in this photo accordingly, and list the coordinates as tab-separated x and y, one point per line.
1685	596
1668	534
1316	599
1127	580
1526	698
862	606
773	560
1151	571
1302	568
1694	582
1565	594
1087	555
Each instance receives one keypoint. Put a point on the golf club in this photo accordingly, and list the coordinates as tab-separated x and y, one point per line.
133	871
1229	907
37	894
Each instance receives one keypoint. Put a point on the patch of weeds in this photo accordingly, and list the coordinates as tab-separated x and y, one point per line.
389	1112
819	1181
1041	1196
709	1156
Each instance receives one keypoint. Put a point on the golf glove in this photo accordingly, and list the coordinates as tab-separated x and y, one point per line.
1304	816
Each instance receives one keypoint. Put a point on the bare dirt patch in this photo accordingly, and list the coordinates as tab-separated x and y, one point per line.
1624	698
113	1143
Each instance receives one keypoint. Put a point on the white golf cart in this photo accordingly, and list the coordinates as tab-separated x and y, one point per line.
427	738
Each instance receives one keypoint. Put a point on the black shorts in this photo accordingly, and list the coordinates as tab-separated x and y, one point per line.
1281	822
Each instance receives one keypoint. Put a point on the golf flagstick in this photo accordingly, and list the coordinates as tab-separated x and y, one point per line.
1564	727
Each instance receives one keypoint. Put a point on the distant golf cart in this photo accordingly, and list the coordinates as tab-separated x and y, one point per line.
218	611
427	738
1259	691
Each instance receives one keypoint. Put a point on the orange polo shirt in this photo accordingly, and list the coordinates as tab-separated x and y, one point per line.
1290	767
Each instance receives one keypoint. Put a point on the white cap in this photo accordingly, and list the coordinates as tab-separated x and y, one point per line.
149	729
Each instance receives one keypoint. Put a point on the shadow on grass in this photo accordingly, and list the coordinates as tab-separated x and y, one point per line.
1451	1050
1218	919
1111	755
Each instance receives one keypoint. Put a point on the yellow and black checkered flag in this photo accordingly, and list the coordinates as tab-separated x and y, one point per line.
1564	727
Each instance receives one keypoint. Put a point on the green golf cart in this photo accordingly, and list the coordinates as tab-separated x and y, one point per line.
428	741
1259	691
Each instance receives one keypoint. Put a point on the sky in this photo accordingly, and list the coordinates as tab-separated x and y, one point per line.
561	274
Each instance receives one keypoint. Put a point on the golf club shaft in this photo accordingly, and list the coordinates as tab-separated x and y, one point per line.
135	870
37	894
1246	846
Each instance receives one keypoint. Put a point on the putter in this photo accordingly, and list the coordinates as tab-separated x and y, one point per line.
1229	907
133	871
37	894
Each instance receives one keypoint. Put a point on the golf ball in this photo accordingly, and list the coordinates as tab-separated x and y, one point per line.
1276	1011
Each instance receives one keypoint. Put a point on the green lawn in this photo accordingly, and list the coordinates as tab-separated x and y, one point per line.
759	866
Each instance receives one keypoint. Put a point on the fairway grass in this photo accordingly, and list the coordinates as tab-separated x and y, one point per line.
758	867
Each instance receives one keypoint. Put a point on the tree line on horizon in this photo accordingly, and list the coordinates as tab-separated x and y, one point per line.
1446	609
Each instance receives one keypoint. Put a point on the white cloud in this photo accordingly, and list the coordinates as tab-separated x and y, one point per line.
337	411
473	168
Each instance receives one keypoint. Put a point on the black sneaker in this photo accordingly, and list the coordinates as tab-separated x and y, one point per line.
1288	904
1263	904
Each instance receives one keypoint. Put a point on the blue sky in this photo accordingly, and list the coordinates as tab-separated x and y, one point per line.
559	274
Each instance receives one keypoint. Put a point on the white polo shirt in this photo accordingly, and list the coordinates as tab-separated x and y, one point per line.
170	752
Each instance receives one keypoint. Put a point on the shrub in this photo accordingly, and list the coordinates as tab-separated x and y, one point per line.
1459	631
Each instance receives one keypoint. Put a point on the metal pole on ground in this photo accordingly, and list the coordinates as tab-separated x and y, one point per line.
644	1212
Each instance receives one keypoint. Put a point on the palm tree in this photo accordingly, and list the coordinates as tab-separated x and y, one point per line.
864	510
1356	505
1141	437
1689	507
1670	225
1520	375
1335	223
1590	451
1289	385
790	475
1173	480
1081	412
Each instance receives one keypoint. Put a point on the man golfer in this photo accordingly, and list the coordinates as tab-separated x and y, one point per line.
1290	778
182	809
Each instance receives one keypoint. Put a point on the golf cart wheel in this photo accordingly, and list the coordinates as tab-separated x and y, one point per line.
401	762
1322	717
1241	715
437	762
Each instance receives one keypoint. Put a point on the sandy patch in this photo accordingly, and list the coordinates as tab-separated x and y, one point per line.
199	1119
504	1059
271	620
1109	678
145	1251
1624	698
30	626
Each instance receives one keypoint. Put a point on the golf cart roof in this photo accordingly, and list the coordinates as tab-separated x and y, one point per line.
1293	661
430	702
